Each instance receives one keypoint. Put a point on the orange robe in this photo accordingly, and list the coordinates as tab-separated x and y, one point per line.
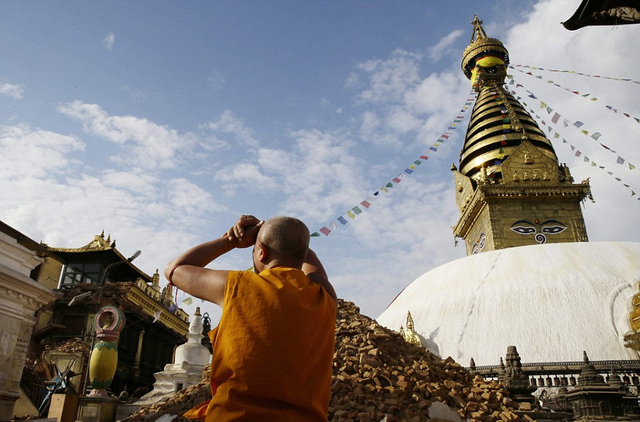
273	349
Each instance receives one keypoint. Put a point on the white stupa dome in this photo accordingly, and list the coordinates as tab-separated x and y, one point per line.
551	301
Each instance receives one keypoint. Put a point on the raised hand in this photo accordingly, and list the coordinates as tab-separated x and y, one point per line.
245	231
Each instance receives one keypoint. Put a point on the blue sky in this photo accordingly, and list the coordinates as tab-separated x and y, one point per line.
161	122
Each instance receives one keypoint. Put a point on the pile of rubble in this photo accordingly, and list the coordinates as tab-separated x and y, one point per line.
182	401
74	345
378	376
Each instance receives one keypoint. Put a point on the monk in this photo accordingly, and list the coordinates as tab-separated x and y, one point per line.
273	347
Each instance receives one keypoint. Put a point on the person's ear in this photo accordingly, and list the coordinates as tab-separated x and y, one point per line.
263	252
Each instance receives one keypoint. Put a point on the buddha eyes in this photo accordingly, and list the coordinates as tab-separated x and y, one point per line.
524	229
548	227
553	229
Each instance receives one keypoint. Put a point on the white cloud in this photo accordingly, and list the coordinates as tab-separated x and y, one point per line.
109	40
389	79
12	90
147	144
49	153
51	190
445	46
245	176
402	120
228	123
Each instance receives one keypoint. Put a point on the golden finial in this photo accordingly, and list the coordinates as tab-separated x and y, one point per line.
478	31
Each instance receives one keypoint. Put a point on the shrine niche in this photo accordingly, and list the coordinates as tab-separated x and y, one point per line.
529	164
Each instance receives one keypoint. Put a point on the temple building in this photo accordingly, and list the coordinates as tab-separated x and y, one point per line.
85	280
531	278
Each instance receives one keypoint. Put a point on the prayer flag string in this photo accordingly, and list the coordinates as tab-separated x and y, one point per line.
577	124
583	95
577	152
573	72
365	204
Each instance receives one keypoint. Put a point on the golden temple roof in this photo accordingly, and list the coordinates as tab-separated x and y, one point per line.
104	250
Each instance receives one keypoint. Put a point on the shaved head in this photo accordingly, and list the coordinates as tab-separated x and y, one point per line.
287	237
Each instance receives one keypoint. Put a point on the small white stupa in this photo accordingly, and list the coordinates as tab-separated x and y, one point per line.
190	360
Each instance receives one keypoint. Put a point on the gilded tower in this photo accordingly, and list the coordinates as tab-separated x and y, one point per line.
510	188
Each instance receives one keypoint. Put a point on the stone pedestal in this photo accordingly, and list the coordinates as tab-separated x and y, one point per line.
97	409
63	407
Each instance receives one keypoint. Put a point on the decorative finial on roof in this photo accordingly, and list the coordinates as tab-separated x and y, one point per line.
478	31
155	280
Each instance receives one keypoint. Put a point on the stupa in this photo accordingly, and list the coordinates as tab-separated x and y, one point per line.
531	278
187	369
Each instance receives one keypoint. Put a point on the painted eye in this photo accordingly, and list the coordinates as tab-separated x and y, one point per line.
523	229
553	229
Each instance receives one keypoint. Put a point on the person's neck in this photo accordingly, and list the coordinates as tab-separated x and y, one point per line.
279	263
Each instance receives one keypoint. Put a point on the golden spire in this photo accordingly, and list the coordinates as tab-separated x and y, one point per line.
498	123
509	173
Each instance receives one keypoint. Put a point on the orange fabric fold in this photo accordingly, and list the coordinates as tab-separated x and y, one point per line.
272	350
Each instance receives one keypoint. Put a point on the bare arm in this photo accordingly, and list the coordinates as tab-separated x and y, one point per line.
313	268
187	271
